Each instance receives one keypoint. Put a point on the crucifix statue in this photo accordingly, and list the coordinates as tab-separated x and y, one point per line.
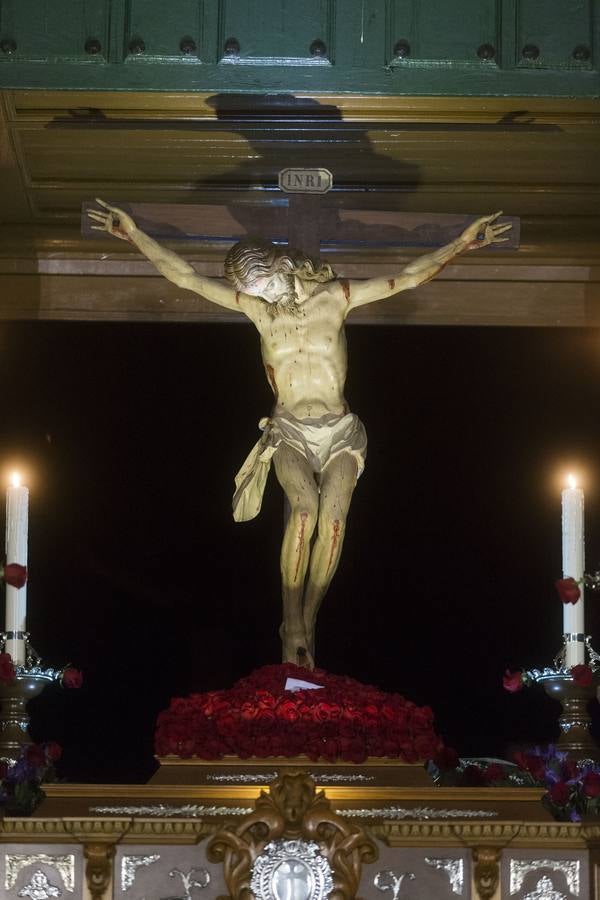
316	444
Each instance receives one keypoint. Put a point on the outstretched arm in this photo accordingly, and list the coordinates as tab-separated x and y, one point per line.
480	233
117	222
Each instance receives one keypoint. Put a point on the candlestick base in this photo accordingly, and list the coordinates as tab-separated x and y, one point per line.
574	721
14	718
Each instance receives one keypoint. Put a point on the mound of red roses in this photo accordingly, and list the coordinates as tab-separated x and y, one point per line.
257	717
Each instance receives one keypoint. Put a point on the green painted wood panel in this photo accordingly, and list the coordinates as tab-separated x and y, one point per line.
170	30
278	31
55	29
359	51
434	31
560	32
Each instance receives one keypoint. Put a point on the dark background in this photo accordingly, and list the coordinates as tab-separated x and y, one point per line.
129	437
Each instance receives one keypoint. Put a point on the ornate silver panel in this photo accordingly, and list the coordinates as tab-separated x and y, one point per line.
130	865
64	865
195	878
454	869
388	880
419	813
39	887
196	811
268	777
544	890
166	811
570	868
291	870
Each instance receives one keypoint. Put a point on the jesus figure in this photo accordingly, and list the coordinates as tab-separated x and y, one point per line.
317	446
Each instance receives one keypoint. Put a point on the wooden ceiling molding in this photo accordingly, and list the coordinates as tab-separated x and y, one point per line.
534	158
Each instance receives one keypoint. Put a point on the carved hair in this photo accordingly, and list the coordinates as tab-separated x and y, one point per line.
253	258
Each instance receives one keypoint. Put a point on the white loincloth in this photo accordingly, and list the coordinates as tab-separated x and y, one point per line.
318	440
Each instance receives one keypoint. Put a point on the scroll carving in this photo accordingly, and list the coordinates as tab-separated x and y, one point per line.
98	869
293	810
486	871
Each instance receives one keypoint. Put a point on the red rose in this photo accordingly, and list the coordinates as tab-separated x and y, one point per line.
582	675
531	763
265	700
494	772
568	590
559	793
14	574
421	718
227	726
35	755
325	712
591	784
248	712
72	678
7	669
287	711
53	751
569	769
265	716
512	681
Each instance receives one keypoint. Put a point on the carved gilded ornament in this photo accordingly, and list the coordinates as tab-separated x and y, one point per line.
98	870
293	811
487	871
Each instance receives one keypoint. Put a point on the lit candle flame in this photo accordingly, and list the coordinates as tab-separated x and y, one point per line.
15	479
571	481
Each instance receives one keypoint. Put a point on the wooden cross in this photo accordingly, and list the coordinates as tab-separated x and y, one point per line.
303	220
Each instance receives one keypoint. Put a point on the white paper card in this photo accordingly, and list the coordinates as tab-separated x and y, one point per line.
296	684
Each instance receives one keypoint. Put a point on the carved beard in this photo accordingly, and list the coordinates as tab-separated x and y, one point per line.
288	302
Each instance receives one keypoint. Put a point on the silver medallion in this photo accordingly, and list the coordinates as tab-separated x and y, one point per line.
291	870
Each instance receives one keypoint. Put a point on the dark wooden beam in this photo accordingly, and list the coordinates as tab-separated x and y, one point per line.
481	294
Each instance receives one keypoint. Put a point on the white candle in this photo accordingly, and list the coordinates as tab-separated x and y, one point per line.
17	510
573	563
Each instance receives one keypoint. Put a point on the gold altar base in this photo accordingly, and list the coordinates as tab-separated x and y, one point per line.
490	829
375	784
377	772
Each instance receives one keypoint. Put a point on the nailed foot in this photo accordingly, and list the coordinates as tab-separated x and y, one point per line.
295	649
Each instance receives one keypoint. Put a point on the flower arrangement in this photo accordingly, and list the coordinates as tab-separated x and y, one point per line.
573	789
343	719
20	789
